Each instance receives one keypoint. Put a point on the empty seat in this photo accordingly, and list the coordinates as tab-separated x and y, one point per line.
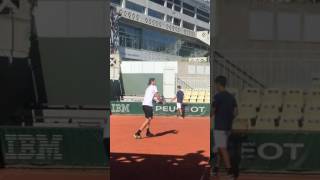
250	96
267	117
313	97
193	97
195	92
294	96
246	113
200	100
207	100
272	97
291	117
193	100
311	120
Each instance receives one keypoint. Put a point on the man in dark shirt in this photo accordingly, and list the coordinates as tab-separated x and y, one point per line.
179	96
224	110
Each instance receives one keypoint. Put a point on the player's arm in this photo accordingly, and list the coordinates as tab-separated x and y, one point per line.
157	96
174	98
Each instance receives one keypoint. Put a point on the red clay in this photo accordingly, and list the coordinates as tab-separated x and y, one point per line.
173	156
179	151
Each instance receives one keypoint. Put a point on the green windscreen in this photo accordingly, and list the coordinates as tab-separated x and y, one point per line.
136	83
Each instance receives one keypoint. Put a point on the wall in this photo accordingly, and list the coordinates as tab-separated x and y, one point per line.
278	56
136	83
73	48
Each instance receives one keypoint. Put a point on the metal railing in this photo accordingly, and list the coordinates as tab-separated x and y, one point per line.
235	71
183	84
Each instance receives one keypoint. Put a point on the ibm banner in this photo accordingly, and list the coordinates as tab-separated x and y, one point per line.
53	146
135	108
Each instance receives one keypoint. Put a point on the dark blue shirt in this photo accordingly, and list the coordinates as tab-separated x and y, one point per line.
224	104
180	96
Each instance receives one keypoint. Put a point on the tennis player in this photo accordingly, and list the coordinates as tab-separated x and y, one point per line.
179	97
151	93
224	110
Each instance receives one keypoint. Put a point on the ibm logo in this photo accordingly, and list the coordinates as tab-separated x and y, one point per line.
39	147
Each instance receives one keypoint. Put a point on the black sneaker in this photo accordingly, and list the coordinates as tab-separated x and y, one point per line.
149	134
137	136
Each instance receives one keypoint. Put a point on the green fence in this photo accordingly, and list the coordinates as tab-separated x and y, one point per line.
30	146
135	108
276	151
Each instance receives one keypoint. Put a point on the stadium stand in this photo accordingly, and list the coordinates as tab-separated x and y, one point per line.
197	96
313	97
267	117
291	117
272	97
247	114
311	119
250	96
277	109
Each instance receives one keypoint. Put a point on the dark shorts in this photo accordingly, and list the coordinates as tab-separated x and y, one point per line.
148	111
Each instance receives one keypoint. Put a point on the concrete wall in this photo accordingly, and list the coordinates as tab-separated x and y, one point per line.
74	50
279	56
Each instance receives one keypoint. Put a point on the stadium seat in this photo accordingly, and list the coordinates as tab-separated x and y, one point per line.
267	117
193	97
290	117
200	101
272	97
186	100
313	97
193	100
250	96
294	97
195	92
207	100
245	115
311	120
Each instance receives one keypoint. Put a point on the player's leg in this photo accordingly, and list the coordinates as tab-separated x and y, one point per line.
216	163
147	123
179	112
137	135
224	135
216	155
220	141
150	117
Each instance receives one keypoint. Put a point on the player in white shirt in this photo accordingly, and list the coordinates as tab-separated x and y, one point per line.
151	93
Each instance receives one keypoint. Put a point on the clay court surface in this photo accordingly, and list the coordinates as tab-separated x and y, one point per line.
53	174
180	149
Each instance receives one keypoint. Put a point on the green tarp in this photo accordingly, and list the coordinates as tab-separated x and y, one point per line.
135	108
277	151
53	146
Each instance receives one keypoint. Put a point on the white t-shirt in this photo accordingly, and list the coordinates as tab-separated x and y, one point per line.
149	95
